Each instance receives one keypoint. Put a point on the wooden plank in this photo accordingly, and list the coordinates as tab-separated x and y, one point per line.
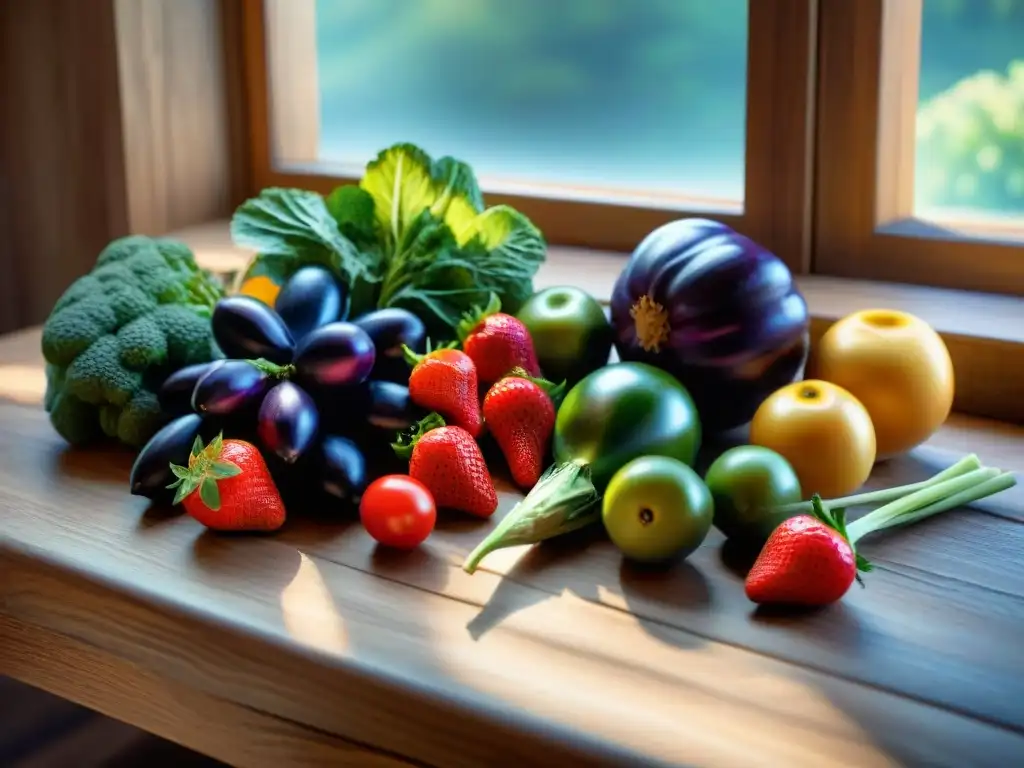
105	683
62	183
174	110
120	106
360	642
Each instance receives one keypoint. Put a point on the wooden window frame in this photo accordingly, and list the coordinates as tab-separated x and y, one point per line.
779	134
867	105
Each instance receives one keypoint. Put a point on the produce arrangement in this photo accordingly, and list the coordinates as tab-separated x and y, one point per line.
384	356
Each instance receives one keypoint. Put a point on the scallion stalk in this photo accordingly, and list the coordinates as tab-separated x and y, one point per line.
967	464
933	498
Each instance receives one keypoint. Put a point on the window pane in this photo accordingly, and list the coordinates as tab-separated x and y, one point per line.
970	121
605	97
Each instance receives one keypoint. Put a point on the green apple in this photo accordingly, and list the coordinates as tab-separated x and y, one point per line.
570	332
657	508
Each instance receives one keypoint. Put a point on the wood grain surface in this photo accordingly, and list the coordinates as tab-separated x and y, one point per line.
312	647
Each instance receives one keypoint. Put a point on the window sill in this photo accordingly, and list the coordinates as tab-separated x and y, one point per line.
984	332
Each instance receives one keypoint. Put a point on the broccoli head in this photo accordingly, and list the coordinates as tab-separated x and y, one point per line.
118	332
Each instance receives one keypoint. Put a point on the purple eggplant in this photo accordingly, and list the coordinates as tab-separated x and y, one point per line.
717	311
234	386
151	472
389	329
335	355
175	395
247	328
390	407
310	298
343	469
288	421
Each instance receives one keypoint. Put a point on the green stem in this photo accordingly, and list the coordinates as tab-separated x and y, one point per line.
897	511
563	500
990	487
886	495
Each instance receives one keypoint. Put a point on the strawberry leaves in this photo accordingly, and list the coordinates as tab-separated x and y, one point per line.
205	468
837	521
471	319
407	440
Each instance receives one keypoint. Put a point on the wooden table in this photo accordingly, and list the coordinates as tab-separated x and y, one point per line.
312	648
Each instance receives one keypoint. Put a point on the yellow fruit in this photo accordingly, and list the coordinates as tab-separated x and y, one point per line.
898	367
823	431
262	288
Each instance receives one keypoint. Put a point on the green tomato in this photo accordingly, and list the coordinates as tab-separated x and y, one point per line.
657	508
622	412
570	332
748	484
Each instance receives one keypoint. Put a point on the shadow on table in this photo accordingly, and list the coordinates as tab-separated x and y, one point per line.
567	564
107	464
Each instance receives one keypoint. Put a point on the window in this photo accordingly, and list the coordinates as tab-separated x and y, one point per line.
879	139
593	99
599	119
920	144
970	115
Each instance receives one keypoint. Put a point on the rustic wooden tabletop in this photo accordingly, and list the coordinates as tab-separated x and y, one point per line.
311	647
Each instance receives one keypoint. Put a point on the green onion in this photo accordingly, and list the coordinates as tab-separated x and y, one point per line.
932	499
886	495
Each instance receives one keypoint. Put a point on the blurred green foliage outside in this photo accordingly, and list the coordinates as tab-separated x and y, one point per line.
640	94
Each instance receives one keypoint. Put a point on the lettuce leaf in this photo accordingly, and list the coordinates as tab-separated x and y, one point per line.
290	228
413	233
494	250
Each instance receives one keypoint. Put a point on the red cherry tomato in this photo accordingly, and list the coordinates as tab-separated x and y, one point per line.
398	511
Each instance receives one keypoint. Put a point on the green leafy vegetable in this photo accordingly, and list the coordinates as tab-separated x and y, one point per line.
292	227
414	233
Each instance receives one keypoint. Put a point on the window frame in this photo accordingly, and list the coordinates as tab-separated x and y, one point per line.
864	227
779	133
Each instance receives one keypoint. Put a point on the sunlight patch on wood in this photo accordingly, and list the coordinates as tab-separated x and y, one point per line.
25	384
309	611
579	680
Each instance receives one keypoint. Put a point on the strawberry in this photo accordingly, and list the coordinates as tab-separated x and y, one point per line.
808	560
497	342
445	380
521	416
227	487
448	461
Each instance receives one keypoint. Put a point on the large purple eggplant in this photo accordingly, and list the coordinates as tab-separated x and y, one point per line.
310	298
247	328
175	395
717	311
390	329
288	421
234	386
335	355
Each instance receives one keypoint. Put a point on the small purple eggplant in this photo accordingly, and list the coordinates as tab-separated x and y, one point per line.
311	298
175	395
245	328
231	387
288	421
335	355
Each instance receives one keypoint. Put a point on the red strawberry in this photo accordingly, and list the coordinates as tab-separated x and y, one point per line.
497	343
521	416
444	380
227	487
807	560
448	461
